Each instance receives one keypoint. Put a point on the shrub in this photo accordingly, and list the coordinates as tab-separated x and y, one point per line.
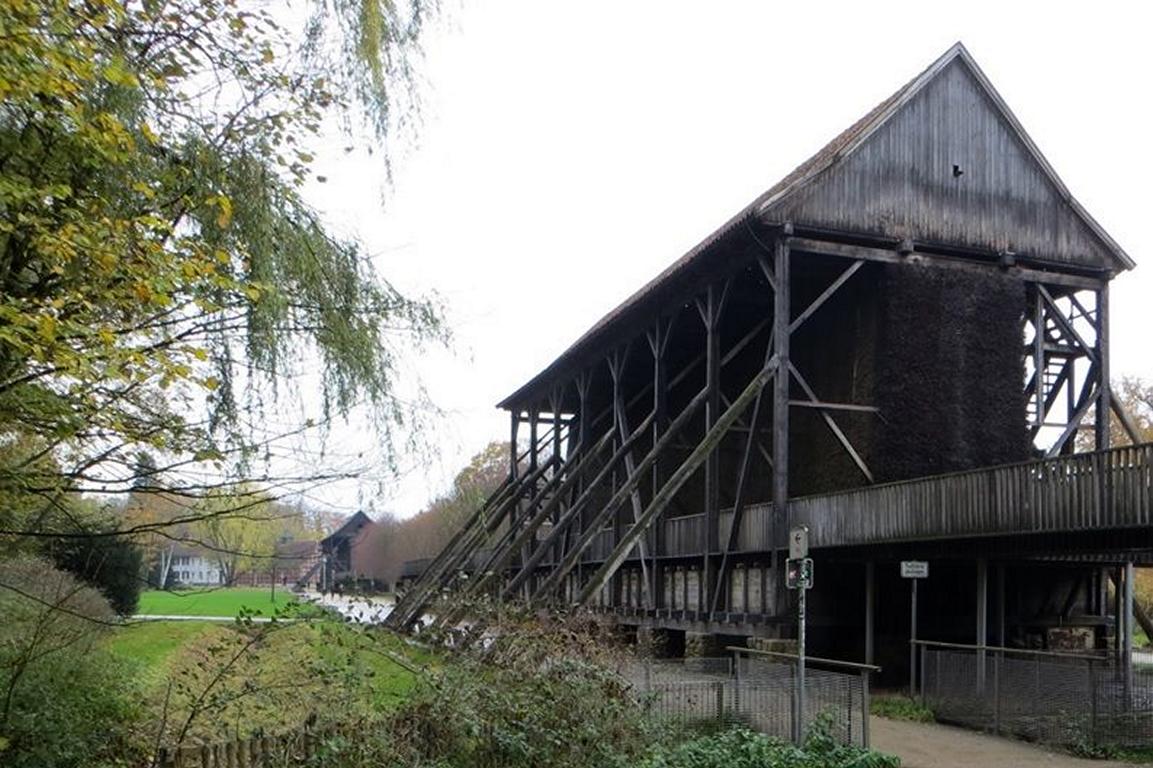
64	702
740	748
112	564
901	708
532	695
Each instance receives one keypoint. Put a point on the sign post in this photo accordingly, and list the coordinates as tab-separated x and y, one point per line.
799	576
914	570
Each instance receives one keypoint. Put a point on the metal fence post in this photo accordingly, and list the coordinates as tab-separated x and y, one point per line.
735	675
793	721
997	692
719	692
1092	704
921	689
865	708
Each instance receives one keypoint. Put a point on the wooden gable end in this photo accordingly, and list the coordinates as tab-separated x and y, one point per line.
949	164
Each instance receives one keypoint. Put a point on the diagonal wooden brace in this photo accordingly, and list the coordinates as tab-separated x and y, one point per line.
663	497
573	556
573	513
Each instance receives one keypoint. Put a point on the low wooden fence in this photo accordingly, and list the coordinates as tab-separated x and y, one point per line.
303	746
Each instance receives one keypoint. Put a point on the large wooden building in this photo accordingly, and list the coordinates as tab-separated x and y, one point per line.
898	346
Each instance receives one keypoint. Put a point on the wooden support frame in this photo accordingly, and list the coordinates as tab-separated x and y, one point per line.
571	557
711	311
616	368
501	558
446	560
832	425
573	514
480	525
690	465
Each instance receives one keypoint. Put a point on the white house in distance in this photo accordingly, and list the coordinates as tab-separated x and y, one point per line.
192	567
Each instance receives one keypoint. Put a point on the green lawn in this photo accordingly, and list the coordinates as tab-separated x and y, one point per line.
152	643
268	677
213	602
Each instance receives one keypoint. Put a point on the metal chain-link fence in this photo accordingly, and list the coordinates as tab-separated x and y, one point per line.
1066	699
759	693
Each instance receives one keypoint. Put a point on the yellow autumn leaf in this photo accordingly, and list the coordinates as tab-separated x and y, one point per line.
224	218
46	327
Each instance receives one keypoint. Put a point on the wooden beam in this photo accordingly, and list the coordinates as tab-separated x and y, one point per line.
497	564
739	499
712	320
1101	432
1087	401
824	406
573	513
1126	421
825	295
586	538
689	466
887	256
622	424
1070	331
782	321
832	425
403	605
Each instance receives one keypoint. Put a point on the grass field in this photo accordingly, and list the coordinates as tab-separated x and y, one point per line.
266	677
213	602
152	643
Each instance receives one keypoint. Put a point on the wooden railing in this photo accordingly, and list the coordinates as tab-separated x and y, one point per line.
1110	489
1104	490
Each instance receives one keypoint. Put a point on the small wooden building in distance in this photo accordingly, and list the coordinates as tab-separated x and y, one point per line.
896	346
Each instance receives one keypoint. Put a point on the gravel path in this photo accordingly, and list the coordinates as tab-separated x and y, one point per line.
931	745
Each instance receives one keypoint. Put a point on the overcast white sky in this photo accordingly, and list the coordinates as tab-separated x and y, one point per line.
571	151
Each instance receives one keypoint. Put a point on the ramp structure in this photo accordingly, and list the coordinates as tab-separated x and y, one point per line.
902	345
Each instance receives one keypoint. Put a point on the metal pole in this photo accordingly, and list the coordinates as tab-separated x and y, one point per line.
912	638
1127	640
799	692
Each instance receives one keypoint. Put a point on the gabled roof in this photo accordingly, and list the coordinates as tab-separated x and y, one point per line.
815	192
349	527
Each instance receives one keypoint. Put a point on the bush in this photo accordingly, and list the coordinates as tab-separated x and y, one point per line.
112	564
530	695
901	708
64	702
740	748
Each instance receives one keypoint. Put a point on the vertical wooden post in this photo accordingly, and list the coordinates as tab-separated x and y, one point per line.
712	464
534	449
555	404
1001	605
870	607
1039	357
658	342
513	455
782	312
982	628
1104	393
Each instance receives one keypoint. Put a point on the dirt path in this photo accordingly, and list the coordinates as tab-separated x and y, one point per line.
930	745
